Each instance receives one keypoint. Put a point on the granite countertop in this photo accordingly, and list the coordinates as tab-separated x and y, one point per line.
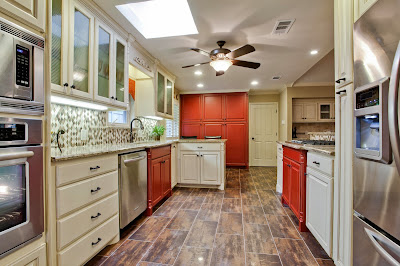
93	150
325	149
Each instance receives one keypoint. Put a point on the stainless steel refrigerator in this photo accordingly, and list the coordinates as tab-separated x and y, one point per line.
376	181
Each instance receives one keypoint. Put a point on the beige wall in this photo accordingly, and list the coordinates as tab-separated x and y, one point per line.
286	98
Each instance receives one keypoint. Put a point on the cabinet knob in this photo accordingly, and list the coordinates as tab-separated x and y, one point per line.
112	97
201	155
72	86
65	84
116	98
197	155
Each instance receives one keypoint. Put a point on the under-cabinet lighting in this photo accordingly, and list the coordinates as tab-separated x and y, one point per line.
154	117
160	18
67	101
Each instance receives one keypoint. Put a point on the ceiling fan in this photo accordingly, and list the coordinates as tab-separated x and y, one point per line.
222	58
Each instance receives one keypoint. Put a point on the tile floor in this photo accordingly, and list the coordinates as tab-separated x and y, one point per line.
245	225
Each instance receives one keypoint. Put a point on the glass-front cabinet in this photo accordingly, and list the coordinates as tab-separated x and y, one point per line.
121	87
102	62
164	97
326	112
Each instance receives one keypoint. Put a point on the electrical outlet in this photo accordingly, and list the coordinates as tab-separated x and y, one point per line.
84	134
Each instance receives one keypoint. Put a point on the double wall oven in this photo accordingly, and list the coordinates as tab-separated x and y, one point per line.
21	183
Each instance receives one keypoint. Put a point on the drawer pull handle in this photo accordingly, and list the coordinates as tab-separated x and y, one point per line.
95	168
315	162
95	243
199	147
95	190
96	216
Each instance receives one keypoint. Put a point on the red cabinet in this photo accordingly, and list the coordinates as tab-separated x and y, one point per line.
294	183
158	176
218	114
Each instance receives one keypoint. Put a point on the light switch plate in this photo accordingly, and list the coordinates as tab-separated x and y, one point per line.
84	134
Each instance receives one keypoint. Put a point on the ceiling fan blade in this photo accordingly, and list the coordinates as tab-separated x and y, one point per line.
245	64
196	65
200	51
220	73
241	51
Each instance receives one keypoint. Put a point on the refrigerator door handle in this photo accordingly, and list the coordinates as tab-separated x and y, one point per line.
393	108
392	246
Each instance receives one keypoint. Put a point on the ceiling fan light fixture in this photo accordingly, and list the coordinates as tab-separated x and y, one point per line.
221	64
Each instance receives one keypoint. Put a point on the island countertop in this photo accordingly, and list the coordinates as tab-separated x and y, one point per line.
324	149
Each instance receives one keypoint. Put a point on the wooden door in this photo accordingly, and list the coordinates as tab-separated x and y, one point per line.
297	113
294	194
214	129
310	112
210	167
192	129
286	180
156	176
237	144
263	134
213	107
191	108
190	167
236	105
166	177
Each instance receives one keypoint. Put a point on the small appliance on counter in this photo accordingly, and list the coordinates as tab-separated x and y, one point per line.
294	133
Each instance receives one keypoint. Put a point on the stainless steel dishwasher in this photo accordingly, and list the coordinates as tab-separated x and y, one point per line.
132	186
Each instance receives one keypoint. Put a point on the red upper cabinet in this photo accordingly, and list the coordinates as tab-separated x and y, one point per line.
214	129
191	108
213	107
236	107
236	147
192	129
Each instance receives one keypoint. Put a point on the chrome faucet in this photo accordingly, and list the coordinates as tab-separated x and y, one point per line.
141	126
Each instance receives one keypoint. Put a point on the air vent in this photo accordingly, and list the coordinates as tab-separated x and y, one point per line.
283	26
5	27
20	107
276	77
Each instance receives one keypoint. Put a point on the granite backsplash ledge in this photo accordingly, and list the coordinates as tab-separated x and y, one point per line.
74	119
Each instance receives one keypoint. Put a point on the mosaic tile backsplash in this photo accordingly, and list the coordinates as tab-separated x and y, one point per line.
74	119
321	131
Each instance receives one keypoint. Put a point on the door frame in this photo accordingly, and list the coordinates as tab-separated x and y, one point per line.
275	104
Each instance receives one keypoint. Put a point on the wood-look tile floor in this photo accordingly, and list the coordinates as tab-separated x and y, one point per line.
244	225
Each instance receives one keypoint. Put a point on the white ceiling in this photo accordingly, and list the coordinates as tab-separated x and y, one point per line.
240	22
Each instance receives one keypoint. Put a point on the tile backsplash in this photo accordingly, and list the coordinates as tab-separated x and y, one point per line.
318	130
74	119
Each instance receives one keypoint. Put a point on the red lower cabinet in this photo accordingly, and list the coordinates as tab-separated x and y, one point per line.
158	176
236	146
294	183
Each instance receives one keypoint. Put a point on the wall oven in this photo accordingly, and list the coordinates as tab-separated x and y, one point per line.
21	183
21	70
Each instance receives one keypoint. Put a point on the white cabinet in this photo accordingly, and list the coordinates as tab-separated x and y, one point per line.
31	12
210	163
165	95
319	198
326	111
361	6
304	112
35	258
279	163
174	172
190	167
343	28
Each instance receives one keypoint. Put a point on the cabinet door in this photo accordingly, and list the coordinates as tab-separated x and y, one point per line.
169	94
120	75
156	176
191	129
190	168
31	12
325	112
286	180
59	45
297	111
319	209
310	112
102	62
166	177
294	194
210	164
213	107
343	27
214	129
191	108
81	51
237	144
361	7
236	106
174	170
160	93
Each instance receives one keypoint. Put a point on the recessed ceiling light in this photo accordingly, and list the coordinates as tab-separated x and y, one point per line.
254	82
200	85
198	73
313	52
160	18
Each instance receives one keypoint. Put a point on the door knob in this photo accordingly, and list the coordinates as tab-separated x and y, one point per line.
252	138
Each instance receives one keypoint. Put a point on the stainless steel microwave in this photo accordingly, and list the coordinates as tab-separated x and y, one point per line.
21	70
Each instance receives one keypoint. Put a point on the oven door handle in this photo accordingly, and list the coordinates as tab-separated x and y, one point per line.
16	155
378	247
393	103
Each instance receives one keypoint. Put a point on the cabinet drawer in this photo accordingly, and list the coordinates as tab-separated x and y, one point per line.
160	151
200	146
83	249
76	170
320	162
67	231
85	192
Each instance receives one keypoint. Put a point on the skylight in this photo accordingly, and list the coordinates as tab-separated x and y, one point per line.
160	18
